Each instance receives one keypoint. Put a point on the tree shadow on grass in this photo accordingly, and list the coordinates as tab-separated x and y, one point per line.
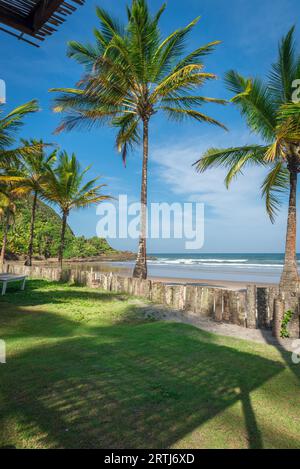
36	293
144	385
285	355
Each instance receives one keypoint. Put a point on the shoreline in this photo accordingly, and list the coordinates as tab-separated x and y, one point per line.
221	284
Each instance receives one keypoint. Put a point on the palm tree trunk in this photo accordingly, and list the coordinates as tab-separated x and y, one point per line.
290	279
140	270
28	261
62	238
4	242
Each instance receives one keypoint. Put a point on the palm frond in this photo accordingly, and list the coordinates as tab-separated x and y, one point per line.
254	100
190	101
233	159
197	55
85	119
159	13
178	114
128	135
275	183
186	78
288	120
108	25
284	70
171	49
12	122
20	152
85	55
20	111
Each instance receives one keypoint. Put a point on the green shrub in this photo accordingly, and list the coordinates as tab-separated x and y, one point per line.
284	333
83	247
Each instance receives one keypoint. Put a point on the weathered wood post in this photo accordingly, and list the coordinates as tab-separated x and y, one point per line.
251	310
278	316
218	305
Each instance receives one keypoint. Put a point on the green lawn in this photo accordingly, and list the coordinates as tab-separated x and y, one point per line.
84	370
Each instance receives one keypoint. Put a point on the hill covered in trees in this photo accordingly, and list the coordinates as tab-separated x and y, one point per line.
47	235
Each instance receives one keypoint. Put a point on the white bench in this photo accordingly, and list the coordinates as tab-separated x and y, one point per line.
7	278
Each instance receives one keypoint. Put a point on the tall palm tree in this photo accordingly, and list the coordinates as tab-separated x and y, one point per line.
271	114
10	124
28	176
131	74
66	188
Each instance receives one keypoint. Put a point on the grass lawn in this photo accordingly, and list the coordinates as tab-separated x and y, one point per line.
85	370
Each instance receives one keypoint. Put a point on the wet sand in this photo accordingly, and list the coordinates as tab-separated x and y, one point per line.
223	284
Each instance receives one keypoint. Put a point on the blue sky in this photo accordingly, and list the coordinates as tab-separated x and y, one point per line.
235	220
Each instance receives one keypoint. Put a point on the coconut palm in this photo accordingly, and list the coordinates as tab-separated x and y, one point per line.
10	124
65	187
131	74
7	211
28	176
271	114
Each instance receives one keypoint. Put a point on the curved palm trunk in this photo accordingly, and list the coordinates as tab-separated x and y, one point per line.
28	261
140	269
62	238
4	242
290	279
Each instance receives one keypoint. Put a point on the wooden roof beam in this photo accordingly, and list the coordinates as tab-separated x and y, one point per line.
37	22
15	21
43	12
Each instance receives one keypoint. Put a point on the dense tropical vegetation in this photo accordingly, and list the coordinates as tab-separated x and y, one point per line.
46	235
131	73
27	177
66	188
271	114
7	211
31	175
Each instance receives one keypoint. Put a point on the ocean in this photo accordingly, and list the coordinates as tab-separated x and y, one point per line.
263	268
258	268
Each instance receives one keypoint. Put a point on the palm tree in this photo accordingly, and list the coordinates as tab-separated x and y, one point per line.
28	177
7	211
271	114
132	73
66	188
9	126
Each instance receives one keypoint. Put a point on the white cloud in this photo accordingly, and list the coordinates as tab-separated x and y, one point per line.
236	219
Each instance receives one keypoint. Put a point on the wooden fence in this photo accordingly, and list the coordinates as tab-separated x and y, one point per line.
252	307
